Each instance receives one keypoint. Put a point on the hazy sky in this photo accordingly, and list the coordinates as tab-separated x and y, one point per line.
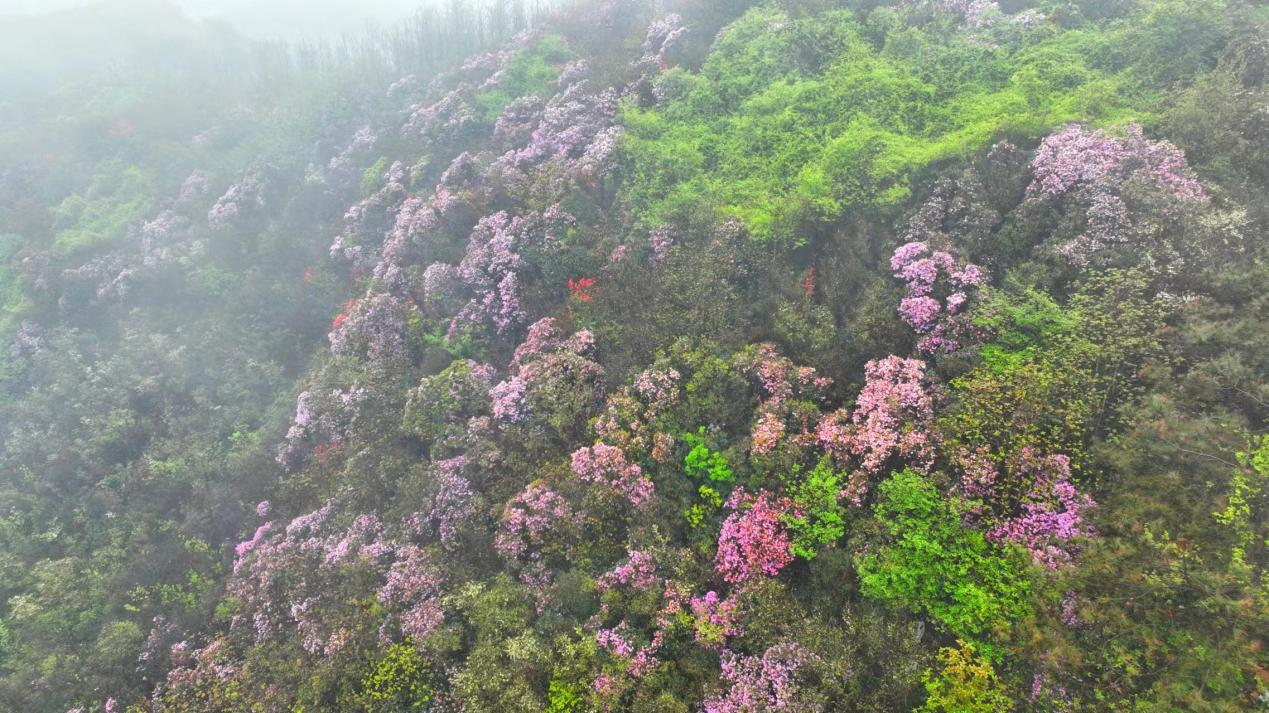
263	18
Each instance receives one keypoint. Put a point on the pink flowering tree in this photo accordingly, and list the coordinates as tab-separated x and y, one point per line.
367	222
890	425
754	540
373	328
788	398
1105	180
454	508
764	684
606	466
537	526
325	419
1031	501
628	592
554	381
640	419
938	291
306	577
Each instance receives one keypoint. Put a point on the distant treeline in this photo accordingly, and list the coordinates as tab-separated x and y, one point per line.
429	41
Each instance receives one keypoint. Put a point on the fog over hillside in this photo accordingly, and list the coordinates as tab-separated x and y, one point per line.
264	19
634	356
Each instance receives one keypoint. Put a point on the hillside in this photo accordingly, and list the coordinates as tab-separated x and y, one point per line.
696	355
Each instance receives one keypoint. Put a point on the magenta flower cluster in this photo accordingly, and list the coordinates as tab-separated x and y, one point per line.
893	417
763	684
716	619
607	467
638	572
289	577
1094	169
788	392
1051	516
936	291
243	200
753	540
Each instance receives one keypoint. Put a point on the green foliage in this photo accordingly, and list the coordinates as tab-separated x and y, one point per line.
701	460
562	698
398	681
529	73
821	521
1021	325
931	563
1056	378
967	683
372	178
762	136
118	195
1247	500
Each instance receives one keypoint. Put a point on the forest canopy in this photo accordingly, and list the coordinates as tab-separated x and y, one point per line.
709	356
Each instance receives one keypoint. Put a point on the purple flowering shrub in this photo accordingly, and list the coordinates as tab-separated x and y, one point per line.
893	418
324	420
937	294
367	223
765	684
788	396
374	328
241	203
754	540
297	577
538	527
1029	500
554	381
1122	194
606	466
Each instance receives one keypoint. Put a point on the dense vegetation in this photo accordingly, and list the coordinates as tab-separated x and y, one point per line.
720	356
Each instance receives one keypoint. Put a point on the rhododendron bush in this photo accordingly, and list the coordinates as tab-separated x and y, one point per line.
693	356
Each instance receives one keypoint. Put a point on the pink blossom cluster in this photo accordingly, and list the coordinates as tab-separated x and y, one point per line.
1051	515
373	328
638	417
450	120
323	417
490	272
548	369
664	34
1093	168
536	523
762	684
638	572
753	540
661	240
893	417
1076	156
606	466
412	588
344	163
454	505
194	187
786	390
108	277
716	619
166	238
367	222
244	199
936	292
208	668
290	576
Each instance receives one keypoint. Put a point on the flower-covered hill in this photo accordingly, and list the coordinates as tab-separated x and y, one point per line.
808	356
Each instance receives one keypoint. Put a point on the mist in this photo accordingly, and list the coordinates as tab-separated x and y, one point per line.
634	356
261	19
